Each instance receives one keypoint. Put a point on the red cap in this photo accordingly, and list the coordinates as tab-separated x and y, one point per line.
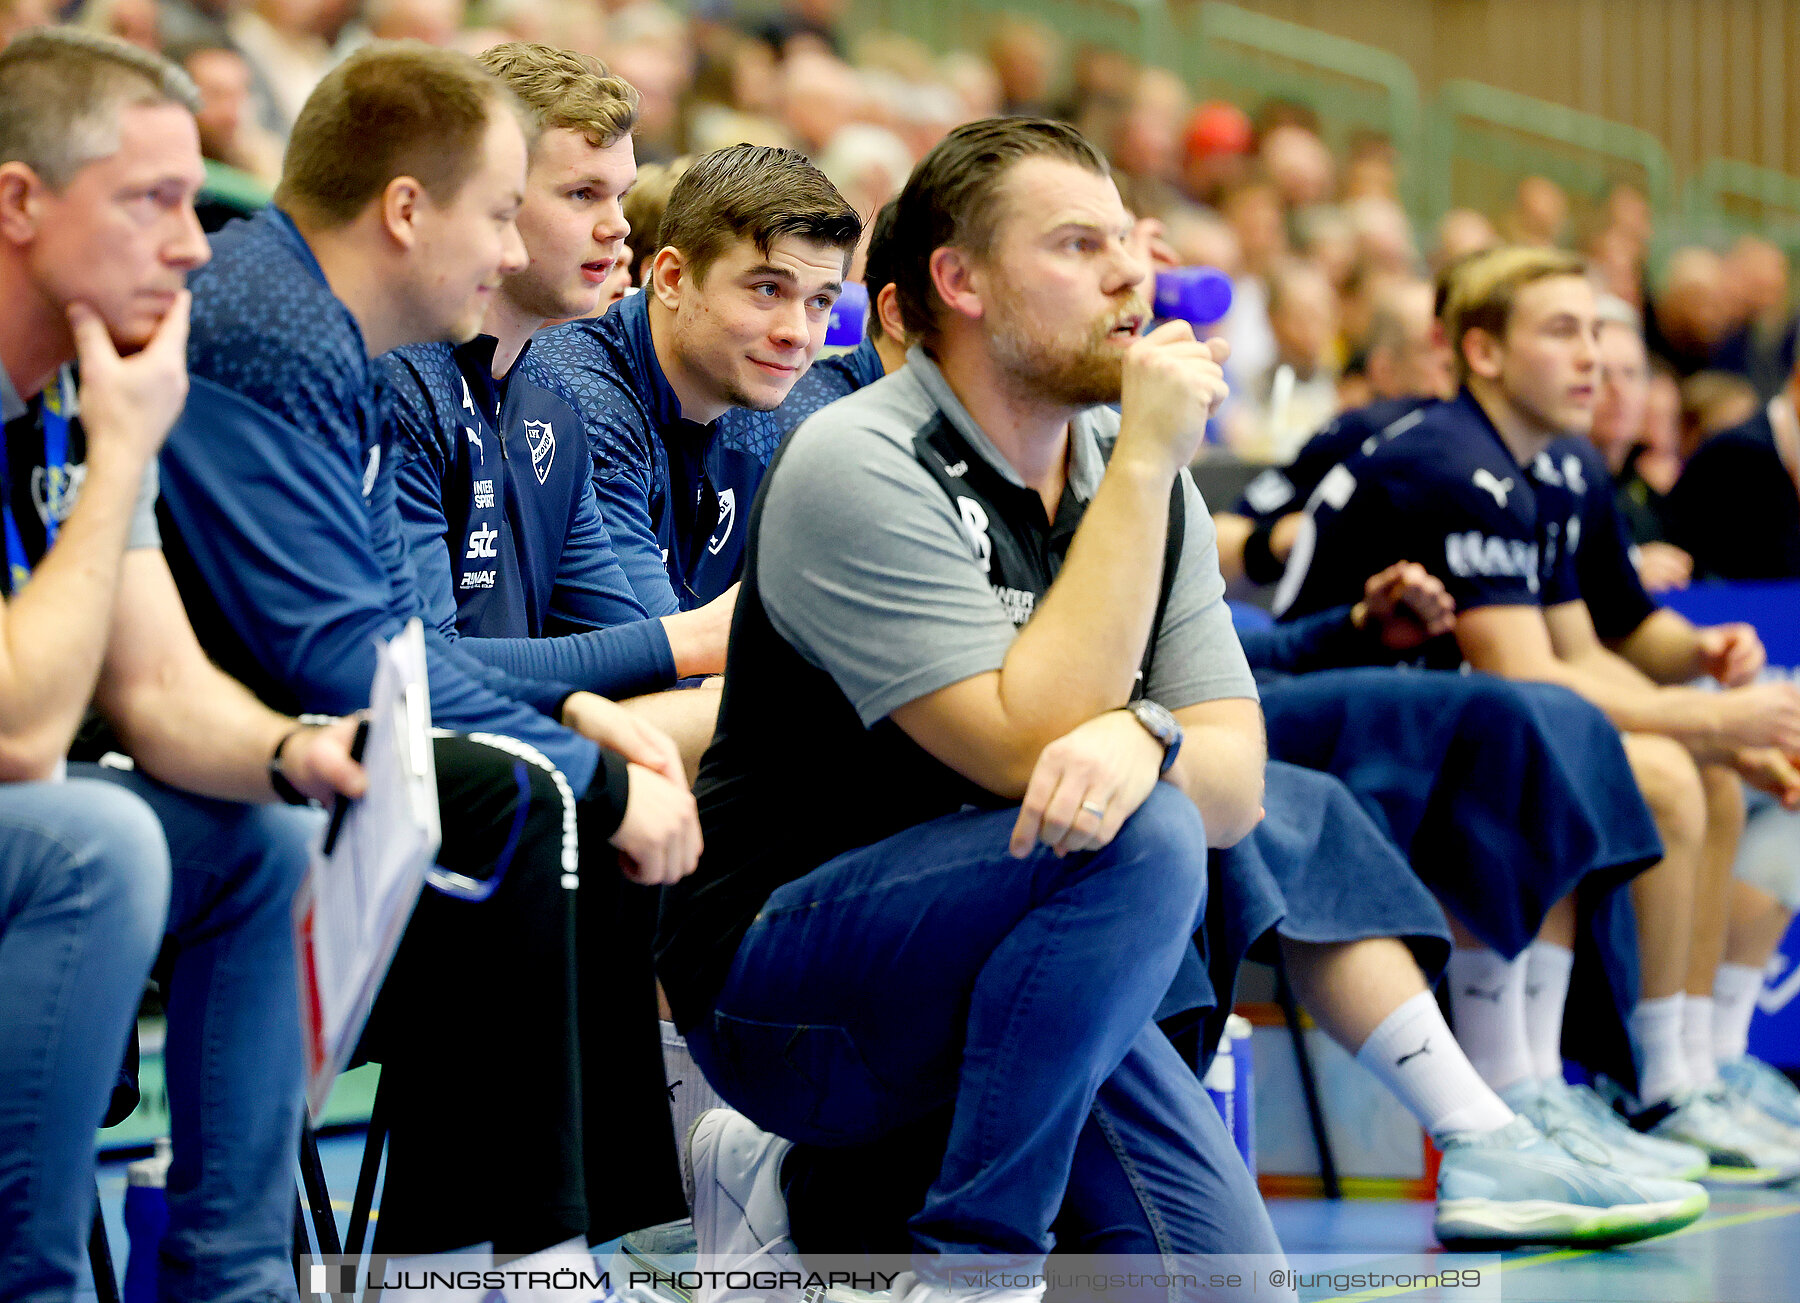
1218	127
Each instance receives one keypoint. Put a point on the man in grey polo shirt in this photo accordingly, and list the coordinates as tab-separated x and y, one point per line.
947	864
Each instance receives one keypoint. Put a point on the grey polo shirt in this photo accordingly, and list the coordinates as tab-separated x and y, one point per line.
869	572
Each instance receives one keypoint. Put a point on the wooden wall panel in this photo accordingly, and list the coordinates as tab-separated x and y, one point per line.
1708	77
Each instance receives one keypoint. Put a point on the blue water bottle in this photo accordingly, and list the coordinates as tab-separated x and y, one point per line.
146	1219
1221	1083
1199	296
845	329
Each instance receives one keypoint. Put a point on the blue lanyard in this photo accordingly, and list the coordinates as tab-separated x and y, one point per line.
54	412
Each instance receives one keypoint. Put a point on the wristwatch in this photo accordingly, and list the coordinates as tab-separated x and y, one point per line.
1162	726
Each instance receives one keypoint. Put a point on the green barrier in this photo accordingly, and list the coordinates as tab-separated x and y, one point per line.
1487	126
1227	49
1139	28
1724	188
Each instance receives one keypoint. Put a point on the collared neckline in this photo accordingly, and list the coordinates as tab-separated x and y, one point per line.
1085	466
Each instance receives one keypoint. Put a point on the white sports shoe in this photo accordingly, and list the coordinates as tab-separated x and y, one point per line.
732	1175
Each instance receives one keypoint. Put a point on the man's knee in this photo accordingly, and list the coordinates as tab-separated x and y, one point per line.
1670	782
112	839
507	812
1166	831
1724	792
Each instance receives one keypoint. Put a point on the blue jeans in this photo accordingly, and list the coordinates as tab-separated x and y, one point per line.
933	967
232	1056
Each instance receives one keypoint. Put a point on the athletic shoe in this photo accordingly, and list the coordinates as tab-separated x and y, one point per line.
1754	1117
1764	1086
732	1174
1512	1186
1574	1118
1739	1155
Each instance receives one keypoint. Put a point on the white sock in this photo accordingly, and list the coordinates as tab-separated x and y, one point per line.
1414	1055
1697	1040
1735	988
1487	997
1547	969
1656	1026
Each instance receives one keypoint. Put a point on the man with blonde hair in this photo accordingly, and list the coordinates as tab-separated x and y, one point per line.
1481	492
495	484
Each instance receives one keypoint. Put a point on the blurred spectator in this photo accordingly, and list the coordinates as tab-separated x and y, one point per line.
819	94
1277	112
1628	211
1026	56
1643	457
1297	395
1736	507
1762	348
1404	351
1460	233
644	205
1692	311
1201	238
435	22
1146	145
805	26
132	21
1252	209
1298	163
22	15
1712	401
976	84
1368	281
868	165
1540	213
1373	167
661	77
1325	237
1615	263
1216	150
281	40
1383	234
231	139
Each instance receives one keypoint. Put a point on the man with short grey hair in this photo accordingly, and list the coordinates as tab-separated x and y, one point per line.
99	165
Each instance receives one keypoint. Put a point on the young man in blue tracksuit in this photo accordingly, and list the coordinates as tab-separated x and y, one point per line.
279	506
1469	492
494	482
678	384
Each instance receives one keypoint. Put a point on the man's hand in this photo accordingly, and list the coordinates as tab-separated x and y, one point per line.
697	638
128	405
1407	606
317	761
1732	653
1086	784
1771	771
1760	715
1173	384
617	729
659	838
1662	567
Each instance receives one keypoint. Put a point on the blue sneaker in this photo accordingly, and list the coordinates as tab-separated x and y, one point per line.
1575	1118
1512	1186
1764	1086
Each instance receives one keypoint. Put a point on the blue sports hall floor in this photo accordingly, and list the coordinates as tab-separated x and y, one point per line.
1745	1250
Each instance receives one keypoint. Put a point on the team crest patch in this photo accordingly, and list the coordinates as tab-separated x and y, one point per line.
542	440
54	490
727	518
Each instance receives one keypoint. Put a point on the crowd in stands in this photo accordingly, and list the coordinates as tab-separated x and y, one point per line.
881	716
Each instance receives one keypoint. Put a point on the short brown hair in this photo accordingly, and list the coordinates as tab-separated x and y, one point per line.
1481	289
644	206
756	193
953	198
394	108
561	89
61	92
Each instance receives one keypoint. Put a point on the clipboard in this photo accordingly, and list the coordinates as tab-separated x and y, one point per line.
366	872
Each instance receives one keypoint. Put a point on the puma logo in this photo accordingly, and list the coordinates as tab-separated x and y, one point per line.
1404	1059
1476	993
1484	479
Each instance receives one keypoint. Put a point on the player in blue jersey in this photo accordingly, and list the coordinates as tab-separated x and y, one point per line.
1464	494
1409	370
494	481
883	347
282	494
181	845
678	384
